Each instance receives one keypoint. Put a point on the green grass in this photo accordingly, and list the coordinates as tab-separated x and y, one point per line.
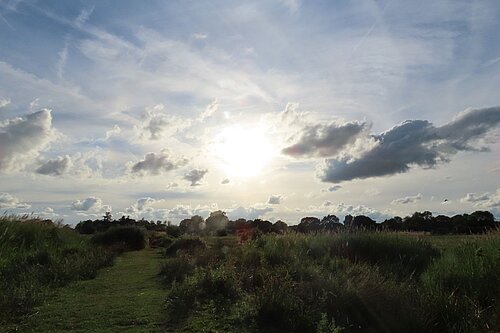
127	297
346	282
38	256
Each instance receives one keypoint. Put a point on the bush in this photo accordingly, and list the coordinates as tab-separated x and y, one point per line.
175	269
159	240
125	238
186	246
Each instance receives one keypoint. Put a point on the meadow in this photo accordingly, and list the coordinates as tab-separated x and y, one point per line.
56	279
37	256
339	282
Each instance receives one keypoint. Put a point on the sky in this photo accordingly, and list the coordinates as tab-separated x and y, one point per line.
274	109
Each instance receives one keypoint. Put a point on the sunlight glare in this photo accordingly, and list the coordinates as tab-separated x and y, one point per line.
243	151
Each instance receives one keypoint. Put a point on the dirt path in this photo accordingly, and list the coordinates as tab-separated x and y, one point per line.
126	297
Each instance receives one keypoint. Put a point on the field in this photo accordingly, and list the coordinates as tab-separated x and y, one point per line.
54	279
347	282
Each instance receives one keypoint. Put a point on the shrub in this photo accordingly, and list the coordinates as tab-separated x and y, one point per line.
159	240
126	238
186	245
175	269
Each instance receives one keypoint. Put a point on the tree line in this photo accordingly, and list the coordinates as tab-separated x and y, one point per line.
219	224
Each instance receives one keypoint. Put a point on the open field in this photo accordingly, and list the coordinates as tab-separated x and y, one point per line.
55	280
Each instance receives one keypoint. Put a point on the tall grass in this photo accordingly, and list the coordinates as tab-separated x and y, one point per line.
346	282
37	255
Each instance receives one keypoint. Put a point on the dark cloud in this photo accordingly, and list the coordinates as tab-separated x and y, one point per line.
225	181
414	142
324	140
195	176
154	164
55	167
21	139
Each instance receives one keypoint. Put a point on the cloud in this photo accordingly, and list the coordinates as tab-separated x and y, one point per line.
4	102
22	139
154	164
407	200
334	188
324	140
209	110
414	143
485	200
157	124
171	185
292	5
91	205
225	181
200	35
142	204
195	176
275	199
9	201
250	213
55	167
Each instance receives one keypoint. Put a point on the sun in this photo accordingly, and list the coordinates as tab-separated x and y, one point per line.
243	151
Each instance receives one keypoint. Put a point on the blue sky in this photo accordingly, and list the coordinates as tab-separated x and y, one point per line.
273	109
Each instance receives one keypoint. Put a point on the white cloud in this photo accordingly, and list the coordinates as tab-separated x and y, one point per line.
200	35
248	213
485	200
22	139
407	200
4	102
90	205
275	199
9	201
156	124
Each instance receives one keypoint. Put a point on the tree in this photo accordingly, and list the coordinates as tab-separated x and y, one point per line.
330	222
217	220
309	224
108	217
193	225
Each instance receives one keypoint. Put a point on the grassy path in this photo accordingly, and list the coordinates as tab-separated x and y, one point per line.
126	297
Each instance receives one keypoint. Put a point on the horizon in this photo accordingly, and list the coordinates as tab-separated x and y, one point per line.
274	110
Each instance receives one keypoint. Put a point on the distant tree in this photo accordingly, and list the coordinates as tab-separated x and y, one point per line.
329	223
216	221
309	224
108	217
348	220
280	227
363	222
193	225
263	226
393	224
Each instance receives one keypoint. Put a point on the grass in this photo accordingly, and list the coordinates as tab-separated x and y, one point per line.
127	297
346	282
37	256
